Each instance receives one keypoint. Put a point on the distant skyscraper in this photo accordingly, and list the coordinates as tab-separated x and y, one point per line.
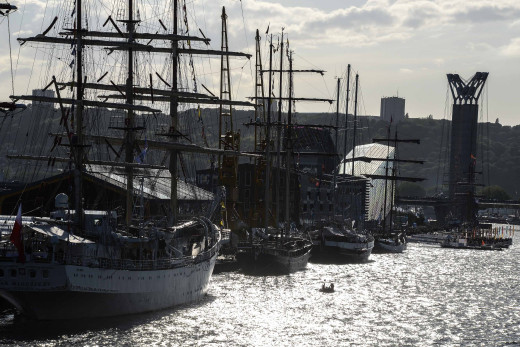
392	108
44	93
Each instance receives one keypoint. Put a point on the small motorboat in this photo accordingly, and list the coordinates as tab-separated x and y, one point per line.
327	289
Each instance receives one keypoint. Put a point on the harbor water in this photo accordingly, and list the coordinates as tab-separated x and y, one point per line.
425	296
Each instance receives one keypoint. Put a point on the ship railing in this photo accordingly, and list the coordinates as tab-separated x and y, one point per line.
136	265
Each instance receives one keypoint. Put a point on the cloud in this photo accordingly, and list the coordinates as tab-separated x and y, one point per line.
512	49
405	70
23	33
486	13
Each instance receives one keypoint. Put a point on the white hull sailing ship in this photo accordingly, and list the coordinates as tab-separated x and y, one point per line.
81	263
64	276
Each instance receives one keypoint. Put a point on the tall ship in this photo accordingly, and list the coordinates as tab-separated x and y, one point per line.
273	247
341	238
390	237
80	262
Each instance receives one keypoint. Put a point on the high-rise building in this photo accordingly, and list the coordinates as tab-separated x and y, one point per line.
44	93
392	108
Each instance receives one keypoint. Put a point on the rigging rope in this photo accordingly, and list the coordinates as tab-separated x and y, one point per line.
10	52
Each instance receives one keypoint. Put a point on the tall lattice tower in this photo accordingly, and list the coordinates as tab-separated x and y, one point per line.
463	149
228	139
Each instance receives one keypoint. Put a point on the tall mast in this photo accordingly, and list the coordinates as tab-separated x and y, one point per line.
288	148
78	167
278	138
346	123
336	145
259	95
126	41
129	126
228	139
260	163
174	115
355	126
268	140
386	176
392	185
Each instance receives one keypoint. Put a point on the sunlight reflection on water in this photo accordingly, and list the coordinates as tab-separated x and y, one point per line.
426	296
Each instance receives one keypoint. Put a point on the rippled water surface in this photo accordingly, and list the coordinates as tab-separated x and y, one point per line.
426	296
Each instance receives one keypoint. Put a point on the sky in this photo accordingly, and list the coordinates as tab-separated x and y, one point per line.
398	47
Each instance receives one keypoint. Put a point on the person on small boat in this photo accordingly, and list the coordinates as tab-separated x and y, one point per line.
325	288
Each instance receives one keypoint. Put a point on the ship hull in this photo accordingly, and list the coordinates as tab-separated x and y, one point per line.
73	292
389	246
267	262
346	251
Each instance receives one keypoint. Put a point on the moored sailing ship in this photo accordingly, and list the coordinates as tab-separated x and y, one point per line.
273	249
346	240
82	263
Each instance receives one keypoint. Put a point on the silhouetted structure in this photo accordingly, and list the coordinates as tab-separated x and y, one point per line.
463	150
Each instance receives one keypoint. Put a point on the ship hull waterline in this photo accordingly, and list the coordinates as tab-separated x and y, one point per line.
355	252
265	263
77	292
389	246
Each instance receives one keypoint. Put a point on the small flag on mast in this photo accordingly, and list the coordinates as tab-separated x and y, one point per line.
16	235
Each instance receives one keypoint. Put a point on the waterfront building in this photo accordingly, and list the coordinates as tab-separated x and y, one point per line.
370	159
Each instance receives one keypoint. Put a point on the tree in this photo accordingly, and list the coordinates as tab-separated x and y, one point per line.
494	193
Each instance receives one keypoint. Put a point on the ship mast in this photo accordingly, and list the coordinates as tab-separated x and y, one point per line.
393	177
336	144
130	121
355	126
278	138
228	138
268	140
81	37
174	105
288	148
386	179
78	148
346	123
260	140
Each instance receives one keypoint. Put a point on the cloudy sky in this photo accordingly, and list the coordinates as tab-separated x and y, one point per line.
402	47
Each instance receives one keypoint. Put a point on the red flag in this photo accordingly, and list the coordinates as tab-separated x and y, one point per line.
16	235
